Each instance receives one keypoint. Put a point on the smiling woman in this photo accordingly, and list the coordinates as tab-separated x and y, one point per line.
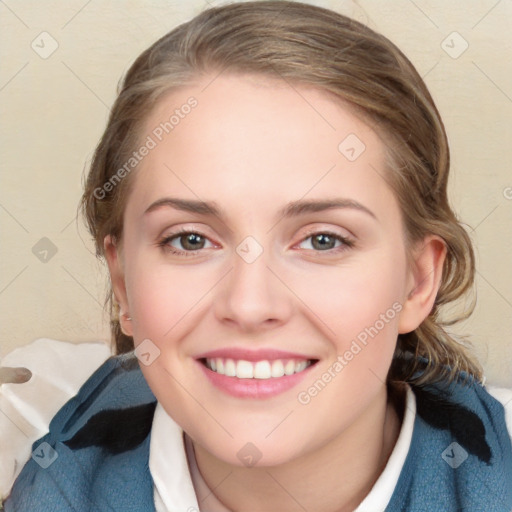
290	239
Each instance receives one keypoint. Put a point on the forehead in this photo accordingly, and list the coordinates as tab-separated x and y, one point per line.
255	140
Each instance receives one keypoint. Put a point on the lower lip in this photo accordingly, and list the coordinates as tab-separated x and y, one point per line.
253	388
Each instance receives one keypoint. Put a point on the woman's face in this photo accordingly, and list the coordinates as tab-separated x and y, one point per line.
291	260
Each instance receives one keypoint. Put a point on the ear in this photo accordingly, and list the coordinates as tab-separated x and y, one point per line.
115	266
423	282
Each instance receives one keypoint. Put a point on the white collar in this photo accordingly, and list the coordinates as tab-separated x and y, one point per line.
378	498
174	490
173	487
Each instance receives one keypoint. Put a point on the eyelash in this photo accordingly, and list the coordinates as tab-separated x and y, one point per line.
164	243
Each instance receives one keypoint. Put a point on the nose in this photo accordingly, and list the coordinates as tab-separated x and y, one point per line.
253	296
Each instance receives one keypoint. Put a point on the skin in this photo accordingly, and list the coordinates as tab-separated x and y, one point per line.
17	375
252	145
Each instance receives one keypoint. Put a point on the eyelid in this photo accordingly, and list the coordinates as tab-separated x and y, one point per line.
347	242
172	231
164	240
337	232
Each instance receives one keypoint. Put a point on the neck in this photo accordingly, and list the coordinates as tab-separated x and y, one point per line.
335	478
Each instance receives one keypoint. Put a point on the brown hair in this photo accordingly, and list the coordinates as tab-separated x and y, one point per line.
304	44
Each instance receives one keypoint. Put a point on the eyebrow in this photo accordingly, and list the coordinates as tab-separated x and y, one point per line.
292	209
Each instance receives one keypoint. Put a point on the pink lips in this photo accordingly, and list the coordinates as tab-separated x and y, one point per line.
252	355
252	388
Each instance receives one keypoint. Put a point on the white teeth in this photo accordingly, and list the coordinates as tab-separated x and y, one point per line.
244	370
258	370
277	369
300	366
230	368
289	368
262	370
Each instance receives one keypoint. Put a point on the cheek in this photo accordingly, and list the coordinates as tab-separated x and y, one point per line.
362	313
356	296
166	300
366	298
159	300
360	309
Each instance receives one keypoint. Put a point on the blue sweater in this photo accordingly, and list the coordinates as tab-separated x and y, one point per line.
96	454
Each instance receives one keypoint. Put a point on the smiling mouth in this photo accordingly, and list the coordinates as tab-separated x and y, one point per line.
264	369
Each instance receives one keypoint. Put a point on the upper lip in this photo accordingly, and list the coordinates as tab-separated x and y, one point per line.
251	355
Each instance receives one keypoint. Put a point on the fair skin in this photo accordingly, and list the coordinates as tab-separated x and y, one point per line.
252	146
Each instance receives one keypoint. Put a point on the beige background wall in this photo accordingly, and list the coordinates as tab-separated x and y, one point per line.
53	108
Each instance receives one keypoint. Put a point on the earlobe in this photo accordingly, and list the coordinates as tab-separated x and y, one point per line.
425	280
115	267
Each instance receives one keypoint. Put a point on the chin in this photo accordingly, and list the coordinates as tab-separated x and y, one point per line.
254	454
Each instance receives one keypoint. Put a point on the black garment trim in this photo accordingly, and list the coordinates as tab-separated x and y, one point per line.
126	364
115	430
466	427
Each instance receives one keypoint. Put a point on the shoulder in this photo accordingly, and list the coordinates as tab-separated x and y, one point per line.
466	409
58	369
460	457
465	404
109	410
97	441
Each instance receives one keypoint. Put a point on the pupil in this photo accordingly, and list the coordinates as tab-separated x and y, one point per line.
191	240
323	239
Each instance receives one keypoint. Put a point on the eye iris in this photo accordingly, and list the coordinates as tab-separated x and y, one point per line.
192	239
324	240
